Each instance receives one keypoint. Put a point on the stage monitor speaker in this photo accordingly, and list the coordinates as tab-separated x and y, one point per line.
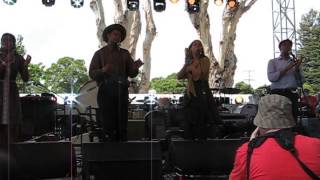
139	160
36	160
311	126
38	115
204	157
136	130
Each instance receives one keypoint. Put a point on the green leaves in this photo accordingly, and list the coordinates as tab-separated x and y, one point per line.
244	88
170	84
309	35
66	76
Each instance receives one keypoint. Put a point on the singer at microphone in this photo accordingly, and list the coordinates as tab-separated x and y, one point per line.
201	113
283	74
9	93
110	67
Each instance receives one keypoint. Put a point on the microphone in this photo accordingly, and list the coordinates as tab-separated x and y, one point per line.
116	46
294	58
35	83
200	52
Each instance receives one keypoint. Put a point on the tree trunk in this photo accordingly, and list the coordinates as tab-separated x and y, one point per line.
228	59
150	35
97	8
132	22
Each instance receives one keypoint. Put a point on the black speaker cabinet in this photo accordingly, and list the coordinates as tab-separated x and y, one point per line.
38	160
139	160
204	157
38	115
136	130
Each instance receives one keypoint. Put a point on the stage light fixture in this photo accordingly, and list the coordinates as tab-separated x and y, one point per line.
194	7
218	2
174	1
48	3
133	5
232	3
159	5
10	2
77	3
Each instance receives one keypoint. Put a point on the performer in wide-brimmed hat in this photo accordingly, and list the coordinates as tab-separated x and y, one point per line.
110	68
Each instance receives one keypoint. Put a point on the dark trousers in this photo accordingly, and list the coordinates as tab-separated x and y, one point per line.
113	109
294	97
201	114
8	135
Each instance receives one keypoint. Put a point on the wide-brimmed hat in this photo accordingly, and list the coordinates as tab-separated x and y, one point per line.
274	111
283	41
112	27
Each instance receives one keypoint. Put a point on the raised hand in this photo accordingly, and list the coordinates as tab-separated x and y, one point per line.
138	63
28	60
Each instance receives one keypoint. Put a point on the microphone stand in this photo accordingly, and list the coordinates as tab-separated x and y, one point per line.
56	130
301	92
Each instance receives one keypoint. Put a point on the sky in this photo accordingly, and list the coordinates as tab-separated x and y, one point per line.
54	32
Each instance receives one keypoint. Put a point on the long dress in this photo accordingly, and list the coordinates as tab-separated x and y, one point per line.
14	106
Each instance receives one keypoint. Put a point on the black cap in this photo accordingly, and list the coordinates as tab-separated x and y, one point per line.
283	41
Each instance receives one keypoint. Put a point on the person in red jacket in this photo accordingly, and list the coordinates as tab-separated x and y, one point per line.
270	160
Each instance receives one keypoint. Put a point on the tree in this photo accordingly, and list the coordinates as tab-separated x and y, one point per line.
66	76
309	35
170	84
36	74
244	88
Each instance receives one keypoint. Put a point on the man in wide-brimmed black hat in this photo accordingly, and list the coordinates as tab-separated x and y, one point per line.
285	74
110	68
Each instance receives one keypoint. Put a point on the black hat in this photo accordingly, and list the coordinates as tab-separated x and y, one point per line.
283	41
112	27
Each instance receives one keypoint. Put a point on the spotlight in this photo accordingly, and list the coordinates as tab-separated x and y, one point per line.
159	5
174	1
133	5
218	2
232	3
48	2
10	2
193	6
77	3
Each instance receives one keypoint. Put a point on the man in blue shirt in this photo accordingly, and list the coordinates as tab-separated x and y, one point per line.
285	74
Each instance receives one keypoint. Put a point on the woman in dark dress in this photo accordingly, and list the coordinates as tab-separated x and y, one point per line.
11	63
201	114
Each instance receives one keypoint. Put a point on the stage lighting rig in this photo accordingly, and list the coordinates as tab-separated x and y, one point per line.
77	3
48	3
10	2
133	5
159	5
193	6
